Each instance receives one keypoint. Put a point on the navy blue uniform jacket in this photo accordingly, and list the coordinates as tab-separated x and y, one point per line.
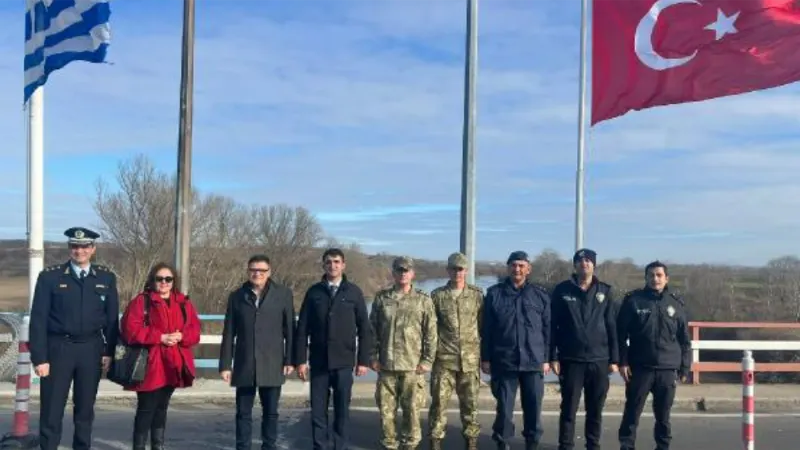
515	333
63	305
657	327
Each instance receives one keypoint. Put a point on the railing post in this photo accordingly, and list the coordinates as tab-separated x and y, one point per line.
748	400
20	436
695	355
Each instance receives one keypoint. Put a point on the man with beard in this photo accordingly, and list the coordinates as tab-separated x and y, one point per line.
659	354
583	349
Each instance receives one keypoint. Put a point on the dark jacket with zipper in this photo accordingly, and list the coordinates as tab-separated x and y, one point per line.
257	340
333	332
657	327
584	323
515	328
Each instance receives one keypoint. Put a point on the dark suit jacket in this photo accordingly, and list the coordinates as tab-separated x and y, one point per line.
257	341
332	326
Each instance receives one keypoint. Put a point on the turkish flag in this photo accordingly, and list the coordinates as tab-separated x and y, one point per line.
648	53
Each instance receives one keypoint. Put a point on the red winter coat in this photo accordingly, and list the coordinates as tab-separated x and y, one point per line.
166	366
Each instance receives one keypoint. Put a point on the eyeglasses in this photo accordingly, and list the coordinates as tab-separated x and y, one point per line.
165	279
258	270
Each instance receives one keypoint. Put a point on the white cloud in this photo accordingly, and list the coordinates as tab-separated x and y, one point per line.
354	110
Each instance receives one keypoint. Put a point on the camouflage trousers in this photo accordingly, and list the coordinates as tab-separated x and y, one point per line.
467	386
407	391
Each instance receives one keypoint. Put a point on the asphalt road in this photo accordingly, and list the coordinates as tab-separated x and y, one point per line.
211	427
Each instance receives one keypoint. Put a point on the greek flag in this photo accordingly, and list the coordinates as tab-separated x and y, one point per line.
58	32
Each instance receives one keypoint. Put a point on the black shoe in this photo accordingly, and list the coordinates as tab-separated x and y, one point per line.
531	446
503	446
157	439
139	441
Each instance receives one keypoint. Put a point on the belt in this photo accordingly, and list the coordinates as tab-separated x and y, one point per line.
76	337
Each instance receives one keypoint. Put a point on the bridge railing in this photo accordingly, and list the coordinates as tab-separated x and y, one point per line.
698	344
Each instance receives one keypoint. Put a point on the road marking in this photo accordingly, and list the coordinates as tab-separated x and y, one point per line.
682	415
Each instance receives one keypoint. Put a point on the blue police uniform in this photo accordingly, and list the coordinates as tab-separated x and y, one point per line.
74	323
515	341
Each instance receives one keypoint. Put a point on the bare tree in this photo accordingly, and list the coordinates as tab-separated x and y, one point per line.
549	269
783	286
138	218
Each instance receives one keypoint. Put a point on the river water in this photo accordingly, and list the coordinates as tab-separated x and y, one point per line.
484	283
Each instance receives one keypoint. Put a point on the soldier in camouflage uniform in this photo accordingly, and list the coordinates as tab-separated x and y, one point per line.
458	310
404	323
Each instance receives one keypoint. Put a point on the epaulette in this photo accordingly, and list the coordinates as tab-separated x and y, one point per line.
540	288
102	268
678	297
52	268
474	288
438	290
421	292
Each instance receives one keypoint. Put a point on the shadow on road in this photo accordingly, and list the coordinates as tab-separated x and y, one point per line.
365	433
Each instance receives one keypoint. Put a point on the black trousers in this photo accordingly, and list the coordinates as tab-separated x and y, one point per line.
76	363
151	410
323	382
662	384
245	398
591	378
504	389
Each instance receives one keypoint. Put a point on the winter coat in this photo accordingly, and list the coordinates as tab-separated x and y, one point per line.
166	366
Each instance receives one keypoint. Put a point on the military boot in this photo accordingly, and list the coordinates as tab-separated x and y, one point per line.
531	445
471	443
436	444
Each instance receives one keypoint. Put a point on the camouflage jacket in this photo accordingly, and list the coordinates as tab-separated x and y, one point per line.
404	327
458	318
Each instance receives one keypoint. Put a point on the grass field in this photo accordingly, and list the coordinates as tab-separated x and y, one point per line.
13	294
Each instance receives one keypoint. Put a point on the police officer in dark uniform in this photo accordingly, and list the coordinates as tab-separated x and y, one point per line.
73	332
584	348
515	341
659	353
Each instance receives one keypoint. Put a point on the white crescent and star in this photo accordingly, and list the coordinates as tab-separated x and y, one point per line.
643	40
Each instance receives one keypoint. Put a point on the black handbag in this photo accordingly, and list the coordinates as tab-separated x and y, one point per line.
129	365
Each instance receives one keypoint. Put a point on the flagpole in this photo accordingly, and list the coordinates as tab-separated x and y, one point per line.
582	94
183	203
468	200
20	436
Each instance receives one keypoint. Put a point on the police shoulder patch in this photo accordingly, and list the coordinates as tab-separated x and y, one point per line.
678	297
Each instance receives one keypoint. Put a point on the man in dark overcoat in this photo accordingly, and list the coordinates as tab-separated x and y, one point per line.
255	354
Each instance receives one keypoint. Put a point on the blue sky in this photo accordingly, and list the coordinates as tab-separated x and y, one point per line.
353	109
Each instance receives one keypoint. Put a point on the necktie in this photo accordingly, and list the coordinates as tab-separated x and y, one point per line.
332	288
83	274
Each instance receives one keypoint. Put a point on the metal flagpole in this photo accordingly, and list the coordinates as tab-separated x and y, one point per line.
582	94
20	436
183	203
468	201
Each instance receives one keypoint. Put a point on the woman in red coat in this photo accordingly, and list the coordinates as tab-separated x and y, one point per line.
170	332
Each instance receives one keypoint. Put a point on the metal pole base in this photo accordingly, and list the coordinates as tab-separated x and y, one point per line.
27	441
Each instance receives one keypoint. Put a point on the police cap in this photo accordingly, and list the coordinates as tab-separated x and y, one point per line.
81	236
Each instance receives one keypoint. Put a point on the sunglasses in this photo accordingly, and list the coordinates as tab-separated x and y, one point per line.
165	279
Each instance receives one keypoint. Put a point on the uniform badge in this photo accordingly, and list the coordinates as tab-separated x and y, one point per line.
102	297
600	297
79	234
670	310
